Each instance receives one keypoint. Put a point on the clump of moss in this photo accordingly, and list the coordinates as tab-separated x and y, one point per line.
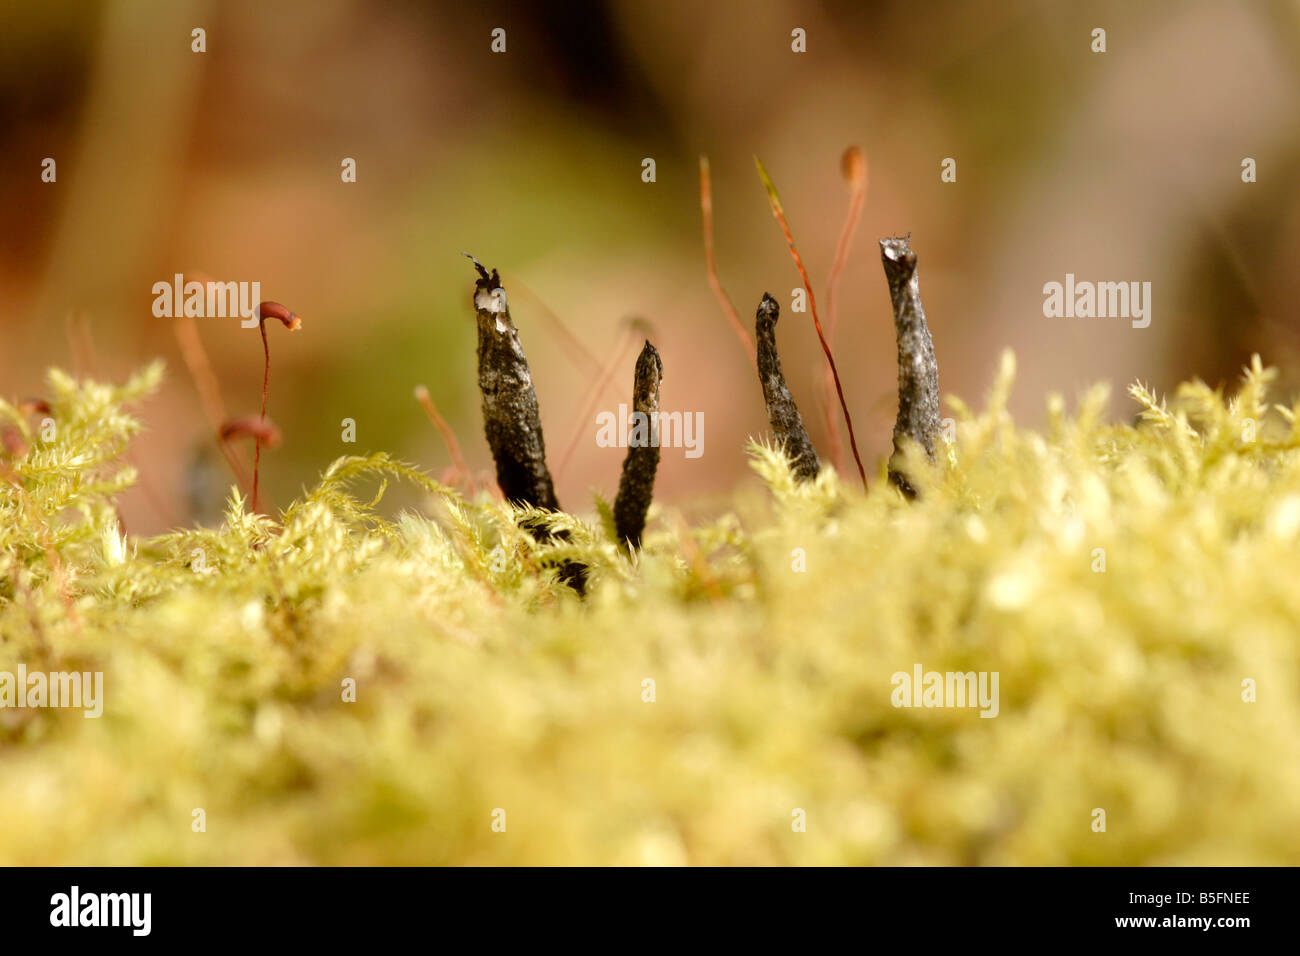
705	689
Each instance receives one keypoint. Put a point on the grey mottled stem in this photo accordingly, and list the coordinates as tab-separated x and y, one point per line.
636	486
918	372
782	413
511	420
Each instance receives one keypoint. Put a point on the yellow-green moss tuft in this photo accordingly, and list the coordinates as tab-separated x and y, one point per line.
483	682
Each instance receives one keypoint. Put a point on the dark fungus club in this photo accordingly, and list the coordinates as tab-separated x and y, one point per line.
511	420
637	485
918	372
782	413
513	428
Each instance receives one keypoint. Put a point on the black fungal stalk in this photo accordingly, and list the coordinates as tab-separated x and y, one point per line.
511	420
782	413
918	372
636	486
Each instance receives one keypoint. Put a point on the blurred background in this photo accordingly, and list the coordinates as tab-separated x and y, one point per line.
226	164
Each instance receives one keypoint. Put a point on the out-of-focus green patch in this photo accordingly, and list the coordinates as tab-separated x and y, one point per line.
1122	581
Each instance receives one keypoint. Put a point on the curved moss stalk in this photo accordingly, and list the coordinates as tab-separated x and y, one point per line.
292	322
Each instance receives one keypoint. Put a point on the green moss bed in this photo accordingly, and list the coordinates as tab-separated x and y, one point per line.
330	686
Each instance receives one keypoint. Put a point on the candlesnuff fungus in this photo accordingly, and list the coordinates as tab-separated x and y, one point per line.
636	486
511	420
918	372
782	413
